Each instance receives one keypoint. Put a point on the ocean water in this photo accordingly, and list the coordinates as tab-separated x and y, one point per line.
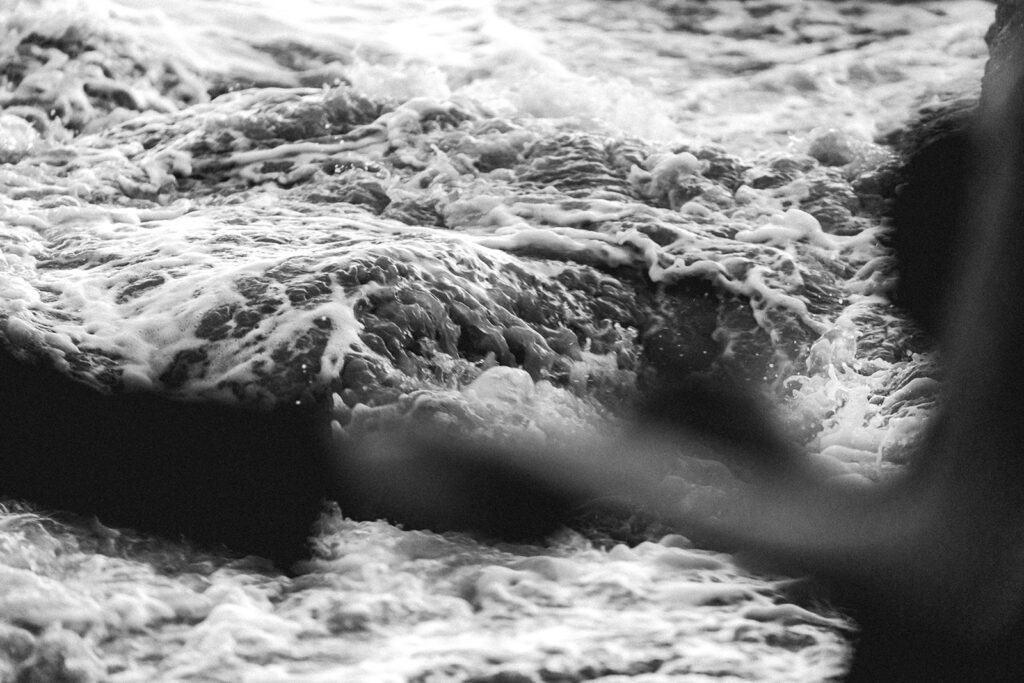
299	194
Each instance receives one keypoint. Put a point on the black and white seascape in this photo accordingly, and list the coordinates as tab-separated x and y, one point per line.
504	215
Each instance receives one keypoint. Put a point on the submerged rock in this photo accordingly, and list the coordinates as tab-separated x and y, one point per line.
257	287
364	232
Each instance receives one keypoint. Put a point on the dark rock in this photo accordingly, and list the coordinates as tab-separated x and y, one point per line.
1005	39
503	677
43	88
929	212
669	347
778	172
875	188
579	164
247	478
831	199
832	148
935	122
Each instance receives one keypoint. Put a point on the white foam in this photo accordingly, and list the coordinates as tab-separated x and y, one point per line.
379	603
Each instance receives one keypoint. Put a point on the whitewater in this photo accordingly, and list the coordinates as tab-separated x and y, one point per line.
503	215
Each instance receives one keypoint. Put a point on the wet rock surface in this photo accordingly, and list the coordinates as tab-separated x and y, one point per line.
338	222
573	244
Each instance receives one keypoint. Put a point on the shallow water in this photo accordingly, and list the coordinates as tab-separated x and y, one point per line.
241	206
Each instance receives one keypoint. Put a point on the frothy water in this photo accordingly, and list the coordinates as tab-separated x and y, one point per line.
241	200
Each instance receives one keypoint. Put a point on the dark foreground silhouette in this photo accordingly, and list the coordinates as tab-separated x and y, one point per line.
248	479
932	565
